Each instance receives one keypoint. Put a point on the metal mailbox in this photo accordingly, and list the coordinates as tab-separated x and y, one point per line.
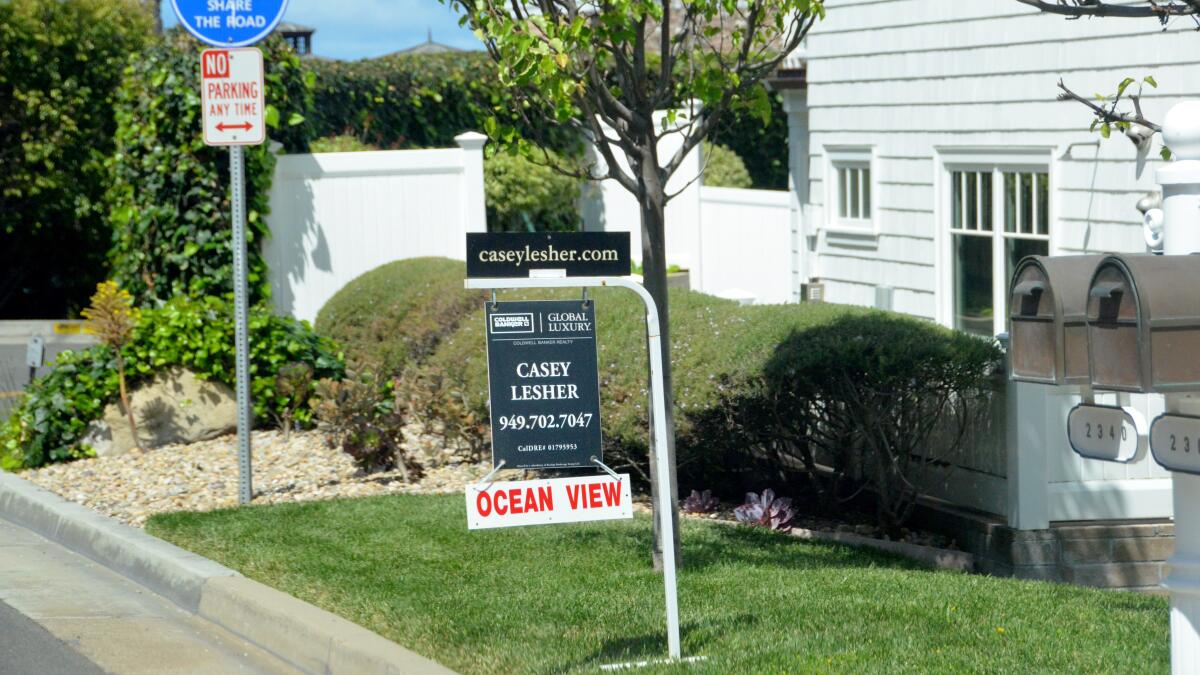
1143	323
1048	319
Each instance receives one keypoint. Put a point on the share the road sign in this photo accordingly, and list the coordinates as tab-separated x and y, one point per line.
231	92
229	23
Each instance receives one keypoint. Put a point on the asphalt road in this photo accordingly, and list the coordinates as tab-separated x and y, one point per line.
28	649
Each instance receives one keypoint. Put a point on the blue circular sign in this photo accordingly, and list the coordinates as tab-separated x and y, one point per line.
229	23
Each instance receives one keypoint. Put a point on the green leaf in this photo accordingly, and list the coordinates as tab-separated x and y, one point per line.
272	116
295	118
1149	79
1105	130
1165	153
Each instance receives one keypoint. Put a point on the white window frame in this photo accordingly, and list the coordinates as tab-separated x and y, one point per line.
997	160
839	157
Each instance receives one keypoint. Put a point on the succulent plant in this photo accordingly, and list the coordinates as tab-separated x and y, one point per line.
766	510
700	502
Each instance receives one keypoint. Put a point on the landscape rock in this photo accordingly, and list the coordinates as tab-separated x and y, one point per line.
204	476
175	407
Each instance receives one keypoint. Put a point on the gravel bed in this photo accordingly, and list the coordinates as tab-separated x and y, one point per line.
204	476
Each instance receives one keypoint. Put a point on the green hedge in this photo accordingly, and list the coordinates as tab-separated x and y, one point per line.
60	66
411	101
194	334
170	192
424	101
763	394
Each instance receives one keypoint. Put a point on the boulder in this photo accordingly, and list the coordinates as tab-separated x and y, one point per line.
175	407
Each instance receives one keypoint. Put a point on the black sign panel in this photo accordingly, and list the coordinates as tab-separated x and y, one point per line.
544	383
580	254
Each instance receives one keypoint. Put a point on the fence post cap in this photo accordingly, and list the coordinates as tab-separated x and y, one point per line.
470	140
1181	130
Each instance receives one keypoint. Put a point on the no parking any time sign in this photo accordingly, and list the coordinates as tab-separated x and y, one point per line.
231	92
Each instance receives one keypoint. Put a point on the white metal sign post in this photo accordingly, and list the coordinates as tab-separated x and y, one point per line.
658	417
234	115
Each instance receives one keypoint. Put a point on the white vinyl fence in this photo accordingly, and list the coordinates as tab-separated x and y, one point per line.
335	216
745	245
735	243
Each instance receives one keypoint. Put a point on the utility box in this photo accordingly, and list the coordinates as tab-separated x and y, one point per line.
1047	320
1143	323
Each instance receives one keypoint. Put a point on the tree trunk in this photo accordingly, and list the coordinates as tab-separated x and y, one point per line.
137	444
652	199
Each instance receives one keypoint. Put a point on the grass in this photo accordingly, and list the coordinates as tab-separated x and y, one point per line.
562	598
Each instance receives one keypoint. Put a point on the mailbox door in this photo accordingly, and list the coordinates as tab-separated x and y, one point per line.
1032	325
1113	326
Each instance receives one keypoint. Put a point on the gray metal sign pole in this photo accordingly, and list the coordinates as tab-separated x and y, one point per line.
237	183
658	402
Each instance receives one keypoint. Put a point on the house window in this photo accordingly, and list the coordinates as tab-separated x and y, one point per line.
850	188
997	217
854	193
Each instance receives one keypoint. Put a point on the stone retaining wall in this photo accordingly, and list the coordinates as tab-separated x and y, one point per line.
1125	554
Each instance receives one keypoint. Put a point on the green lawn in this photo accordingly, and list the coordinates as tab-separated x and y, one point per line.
572	597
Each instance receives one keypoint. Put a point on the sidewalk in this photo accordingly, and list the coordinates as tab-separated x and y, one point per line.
116	624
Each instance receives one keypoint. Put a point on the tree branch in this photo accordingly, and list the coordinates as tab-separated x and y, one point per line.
1081	8
1109	115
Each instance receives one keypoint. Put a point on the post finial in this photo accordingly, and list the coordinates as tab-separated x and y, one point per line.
1181	130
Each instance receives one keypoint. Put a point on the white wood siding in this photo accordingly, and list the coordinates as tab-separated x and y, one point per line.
914	79
905	76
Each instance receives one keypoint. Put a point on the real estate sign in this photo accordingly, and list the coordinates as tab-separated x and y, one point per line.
572	254
543	383
542	502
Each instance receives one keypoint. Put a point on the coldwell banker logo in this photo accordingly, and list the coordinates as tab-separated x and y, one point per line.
512	323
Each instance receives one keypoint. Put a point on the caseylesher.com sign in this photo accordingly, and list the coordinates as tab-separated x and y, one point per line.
593	254
544	384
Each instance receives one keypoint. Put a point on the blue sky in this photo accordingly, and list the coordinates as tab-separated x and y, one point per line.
355	29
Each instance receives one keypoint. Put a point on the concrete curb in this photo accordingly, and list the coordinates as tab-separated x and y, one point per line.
937	558
309	638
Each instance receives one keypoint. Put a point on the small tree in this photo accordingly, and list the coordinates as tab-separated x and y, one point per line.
112	318
604	69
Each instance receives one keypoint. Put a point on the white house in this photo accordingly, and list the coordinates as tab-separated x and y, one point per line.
930	153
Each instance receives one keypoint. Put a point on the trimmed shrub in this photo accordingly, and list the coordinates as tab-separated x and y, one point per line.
523	196
838	399
57	408
397	313
60	66
170	192
723	168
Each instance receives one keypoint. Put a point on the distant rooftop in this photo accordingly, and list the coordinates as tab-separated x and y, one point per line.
429	47
298	36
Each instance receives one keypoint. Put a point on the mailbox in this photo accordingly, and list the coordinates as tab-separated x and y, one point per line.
1143	323
1048	319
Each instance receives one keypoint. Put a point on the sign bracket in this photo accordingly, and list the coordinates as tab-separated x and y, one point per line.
487	480
658	417
605	467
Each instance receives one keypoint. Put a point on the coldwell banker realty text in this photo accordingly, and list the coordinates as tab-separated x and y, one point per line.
545	390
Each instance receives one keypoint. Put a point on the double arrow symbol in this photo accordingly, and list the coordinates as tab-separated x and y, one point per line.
245	126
